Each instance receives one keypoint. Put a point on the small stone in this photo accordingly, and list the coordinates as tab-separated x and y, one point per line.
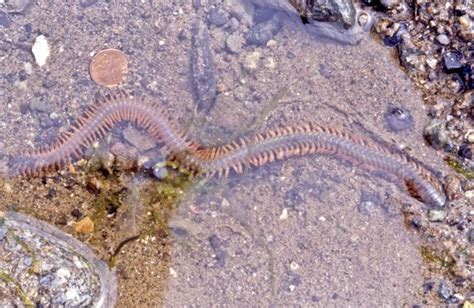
294	266
173	273
444	291
28	68
443	39
137	139
470	236
39	106
272	43
5	20
234	43
94	185
284	214
87	3
269	63
436	215
84	226
453	187
435	133
398	119
432	62
217	16
18	6
53	116
389	4
452	61
469	194
76	213
159	171
251	61
465	151
40	50
261	33
7	188
225	203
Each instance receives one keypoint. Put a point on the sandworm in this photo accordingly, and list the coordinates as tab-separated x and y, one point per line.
274	144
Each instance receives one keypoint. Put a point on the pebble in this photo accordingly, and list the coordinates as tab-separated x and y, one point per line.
470	236
137	139
84	226
398	119
453	187
469	194
465	151
39	106
269	63
159	171
261	33
444	291
294	266
436	215
284	214
435	133
7	188
443	39
5	20
251	61
217	16
173	273
234	43
18	6
390	4
87	3
452	61
40	50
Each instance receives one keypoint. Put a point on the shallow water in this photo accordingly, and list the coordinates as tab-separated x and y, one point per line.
308	231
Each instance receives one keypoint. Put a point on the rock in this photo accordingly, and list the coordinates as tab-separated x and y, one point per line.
251	61
40	50
436	215
39	106
202	68
465	151
87	3
217	16
444	291
452	61
443	39
389	4
18	6
261	33
398	119
435	133
7	188
76	213
242	11
137	139
84	226
470	236
453	187
234	43
284	214
159	171
5	20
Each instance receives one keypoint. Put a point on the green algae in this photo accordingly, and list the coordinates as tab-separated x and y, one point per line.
23	296
457	166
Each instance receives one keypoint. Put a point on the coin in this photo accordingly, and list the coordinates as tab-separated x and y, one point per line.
109	67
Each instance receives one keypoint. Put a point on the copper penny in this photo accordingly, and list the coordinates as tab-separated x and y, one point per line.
109	67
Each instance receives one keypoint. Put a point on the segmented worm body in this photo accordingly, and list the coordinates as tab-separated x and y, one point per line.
274	144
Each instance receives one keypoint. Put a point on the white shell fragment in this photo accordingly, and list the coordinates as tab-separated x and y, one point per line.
40	50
